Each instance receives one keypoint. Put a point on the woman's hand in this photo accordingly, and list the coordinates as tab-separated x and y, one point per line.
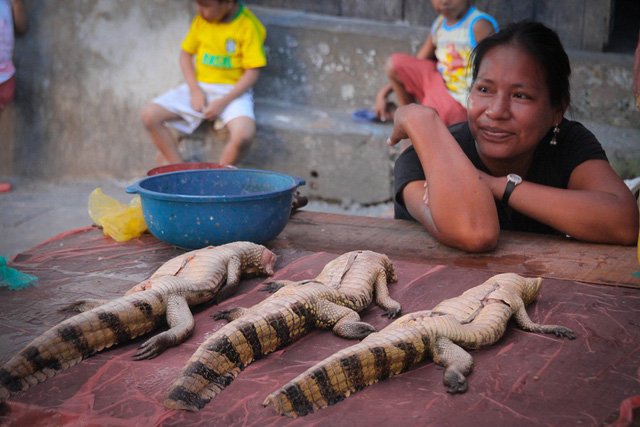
425	198
400	121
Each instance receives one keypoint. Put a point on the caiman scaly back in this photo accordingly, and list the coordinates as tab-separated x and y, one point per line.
475	319
189	279
333	299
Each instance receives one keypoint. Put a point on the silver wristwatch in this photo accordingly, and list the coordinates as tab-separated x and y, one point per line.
512	181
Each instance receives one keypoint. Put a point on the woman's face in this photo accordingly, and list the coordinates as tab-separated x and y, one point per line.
509	108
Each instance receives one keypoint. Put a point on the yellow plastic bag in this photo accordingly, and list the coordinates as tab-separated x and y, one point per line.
119	221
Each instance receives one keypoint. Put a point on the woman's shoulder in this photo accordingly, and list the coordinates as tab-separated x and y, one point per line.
574	127
574	136
554	163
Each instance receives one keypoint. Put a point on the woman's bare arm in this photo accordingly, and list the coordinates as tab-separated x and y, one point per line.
596	207
460	210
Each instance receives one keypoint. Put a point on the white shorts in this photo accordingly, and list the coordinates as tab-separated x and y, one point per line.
178	101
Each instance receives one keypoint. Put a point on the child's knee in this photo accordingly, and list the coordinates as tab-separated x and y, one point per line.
242	130
147	115
389	69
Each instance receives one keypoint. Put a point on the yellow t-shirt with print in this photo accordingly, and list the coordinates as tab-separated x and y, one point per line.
224	50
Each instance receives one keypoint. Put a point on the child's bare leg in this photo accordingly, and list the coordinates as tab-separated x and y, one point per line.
404	97
153	117
241	132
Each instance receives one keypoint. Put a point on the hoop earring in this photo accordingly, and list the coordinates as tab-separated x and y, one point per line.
556	131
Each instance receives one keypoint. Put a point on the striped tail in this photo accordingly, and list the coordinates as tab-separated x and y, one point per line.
379	356
219	359
75	339
210	370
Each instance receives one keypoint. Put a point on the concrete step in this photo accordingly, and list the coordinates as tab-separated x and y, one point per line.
341	160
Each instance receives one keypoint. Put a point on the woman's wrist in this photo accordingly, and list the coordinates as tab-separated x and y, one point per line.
496	184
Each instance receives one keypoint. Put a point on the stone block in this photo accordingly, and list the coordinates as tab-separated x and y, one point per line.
328	62
340	159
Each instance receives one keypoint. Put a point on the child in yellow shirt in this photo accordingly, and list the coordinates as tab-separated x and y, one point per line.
220	59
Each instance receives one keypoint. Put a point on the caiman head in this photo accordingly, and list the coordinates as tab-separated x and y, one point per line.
267	262
260	263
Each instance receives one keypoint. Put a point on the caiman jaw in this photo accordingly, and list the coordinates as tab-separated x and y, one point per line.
268	261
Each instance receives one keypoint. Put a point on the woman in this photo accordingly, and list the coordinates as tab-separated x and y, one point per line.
517	163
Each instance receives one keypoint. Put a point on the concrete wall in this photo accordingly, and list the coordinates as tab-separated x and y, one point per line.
86	68
583	24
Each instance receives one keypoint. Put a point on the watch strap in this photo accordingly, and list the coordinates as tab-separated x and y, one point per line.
512	181
507	192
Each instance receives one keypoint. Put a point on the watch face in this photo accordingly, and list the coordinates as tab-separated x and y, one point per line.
514	178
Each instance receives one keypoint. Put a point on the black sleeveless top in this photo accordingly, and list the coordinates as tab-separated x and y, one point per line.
551	166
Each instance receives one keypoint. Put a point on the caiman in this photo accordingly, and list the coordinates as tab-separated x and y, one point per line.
333	299
475	319
187	280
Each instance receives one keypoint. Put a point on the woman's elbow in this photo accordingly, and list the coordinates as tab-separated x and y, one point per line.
476	240
626	231
621	229
480	243
629	233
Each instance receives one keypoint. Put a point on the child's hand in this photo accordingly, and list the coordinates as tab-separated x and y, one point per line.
381	102
380	109
214	109
198	101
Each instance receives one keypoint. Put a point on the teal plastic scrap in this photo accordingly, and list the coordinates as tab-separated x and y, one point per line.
14	279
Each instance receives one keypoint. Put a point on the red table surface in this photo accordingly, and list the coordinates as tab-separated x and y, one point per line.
524	379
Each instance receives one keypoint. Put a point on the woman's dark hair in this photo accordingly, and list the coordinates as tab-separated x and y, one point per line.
544	45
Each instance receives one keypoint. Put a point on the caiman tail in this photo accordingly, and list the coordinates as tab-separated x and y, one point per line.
250	336
377	357
79	337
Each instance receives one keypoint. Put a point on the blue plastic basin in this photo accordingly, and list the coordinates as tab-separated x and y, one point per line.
197	208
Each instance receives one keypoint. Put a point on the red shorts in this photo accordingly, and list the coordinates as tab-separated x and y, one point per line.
421	79
7	90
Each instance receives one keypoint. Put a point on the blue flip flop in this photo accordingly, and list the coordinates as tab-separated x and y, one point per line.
367	116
